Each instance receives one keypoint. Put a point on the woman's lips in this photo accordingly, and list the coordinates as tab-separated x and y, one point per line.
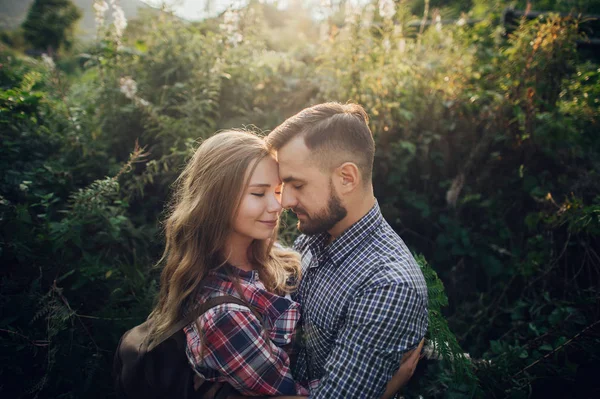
270	223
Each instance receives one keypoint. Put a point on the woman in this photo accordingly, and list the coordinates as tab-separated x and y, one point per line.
219	241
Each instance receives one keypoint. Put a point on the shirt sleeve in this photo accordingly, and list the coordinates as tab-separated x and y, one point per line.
236	348
383	323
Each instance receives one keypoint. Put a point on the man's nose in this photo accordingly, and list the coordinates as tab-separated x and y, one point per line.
287	198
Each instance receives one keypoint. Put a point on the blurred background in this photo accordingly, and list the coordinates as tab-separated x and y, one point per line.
486	121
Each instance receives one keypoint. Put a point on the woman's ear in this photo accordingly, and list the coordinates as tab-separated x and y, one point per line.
349	177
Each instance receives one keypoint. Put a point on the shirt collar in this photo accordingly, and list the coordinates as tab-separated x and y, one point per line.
248	276
253	290
349	239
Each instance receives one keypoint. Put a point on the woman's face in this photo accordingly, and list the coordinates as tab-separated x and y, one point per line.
260	206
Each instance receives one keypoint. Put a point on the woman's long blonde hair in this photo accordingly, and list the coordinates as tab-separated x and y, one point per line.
206	198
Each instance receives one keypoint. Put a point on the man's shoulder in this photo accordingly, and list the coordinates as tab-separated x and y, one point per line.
390	260
385	248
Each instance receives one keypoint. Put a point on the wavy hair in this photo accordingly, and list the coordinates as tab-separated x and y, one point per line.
200	217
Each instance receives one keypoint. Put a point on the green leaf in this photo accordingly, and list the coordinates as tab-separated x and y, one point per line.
64	276
408	146
23	214
141	46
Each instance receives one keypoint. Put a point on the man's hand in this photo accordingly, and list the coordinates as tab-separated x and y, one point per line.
408	364
266	397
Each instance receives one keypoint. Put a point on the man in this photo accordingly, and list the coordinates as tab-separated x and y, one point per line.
363	296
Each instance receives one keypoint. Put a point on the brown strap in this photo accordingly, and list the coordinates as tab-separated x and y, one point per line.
200	310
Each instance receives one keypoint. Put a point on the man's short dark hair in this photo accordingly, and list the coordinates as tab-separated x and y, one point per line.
334	132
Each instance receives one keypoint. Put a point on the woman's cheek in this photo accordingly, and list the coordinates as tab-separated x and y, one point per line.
254	207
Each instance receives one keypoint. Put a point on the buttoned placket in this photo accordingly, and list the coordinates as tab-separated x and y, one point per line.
324	260
317	263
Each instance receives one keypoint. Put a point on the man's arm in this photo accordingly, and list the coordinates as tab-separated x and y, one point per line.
383	322
266	397
405	372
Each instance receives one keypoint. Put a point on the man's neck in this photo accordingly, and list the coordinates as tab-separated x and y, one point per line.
356	211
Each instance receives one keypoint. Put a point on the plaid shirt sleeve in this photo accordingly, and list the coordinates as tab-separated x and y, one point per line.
383	323
237	349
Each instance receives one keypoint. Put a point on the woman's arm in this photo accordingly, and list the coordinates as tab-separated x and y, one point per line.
235	346
400	378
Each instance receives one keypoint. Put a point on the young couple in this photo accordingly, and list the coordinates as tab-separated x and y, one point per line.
350	286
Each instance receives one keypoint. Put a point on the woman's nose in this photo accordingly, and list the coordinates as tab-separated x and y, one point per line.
274	205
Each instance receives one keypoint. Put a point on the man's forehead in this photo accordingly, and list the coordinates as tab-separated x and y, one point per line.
295	163
294	153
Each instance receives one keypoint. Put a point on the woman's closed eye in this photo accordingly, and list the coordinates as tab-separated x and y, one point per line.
258	194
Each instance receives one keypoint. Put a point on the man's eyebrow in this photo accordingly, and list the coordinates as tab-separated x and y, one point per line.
290	179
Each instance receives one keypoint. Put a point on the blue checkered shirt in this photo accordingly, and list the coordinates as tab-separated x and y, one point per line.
363	304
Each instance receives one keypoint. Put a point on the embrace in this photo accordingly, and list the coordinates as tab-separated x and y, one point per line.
342	314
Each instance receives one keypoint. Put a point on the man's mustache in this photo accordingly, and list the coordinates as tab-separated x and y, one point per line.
299	211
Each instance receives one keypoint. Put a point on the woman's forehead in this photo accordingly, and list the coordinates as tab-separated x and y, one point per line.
266	172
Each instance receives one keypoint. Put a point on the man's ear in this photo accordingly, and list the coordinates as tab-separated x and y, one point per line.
348	177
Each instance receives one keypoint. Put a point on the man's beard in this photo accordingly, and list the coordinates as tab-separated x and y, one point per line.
325	219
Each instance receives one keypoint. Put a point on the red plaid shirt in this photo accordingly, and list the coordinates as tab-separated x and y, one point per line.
235	349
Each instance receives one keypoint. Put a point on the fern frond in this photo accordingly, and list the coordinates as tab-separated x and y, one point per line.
442	343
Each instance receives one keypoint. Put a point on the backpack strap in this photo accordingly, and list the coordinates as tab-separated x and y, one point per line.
200	310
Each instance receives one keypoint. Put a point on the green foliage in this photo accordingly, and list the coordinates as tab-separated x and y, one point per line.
442	341
486	163
64	240
49	24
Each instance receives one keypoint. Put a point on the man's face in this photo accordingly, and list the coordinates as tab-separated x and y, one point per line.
307	190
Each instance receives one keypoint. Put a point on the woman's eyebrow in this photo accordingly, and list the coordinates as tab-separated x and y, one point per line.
260	185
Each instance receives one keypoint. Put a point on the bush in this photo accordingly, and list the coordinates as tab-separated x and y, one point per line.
486	163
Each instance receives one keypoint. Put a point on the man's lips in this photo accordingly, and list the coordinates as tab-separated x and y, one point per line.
299	213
